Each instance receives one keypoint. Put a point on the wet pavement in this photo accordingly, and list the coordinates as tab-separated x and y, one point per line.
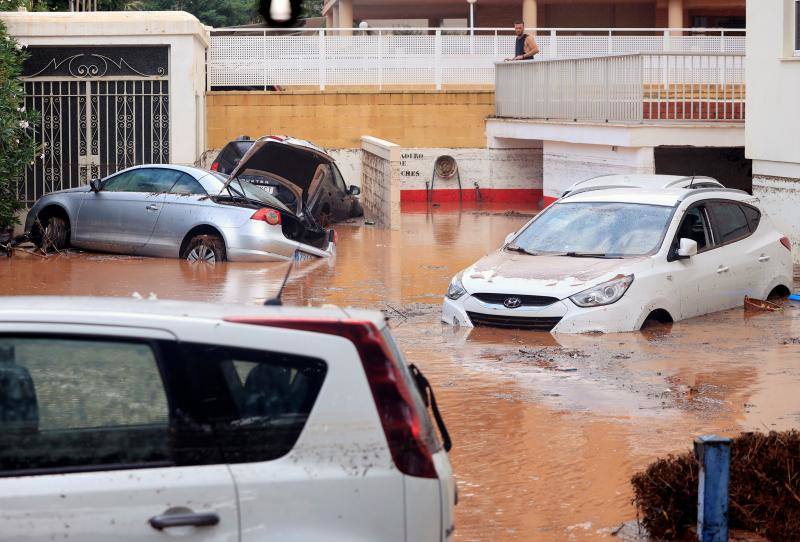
547	429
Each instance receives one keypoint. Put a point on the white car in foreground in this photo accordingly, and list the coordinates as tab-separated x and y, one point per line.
610	259
148	420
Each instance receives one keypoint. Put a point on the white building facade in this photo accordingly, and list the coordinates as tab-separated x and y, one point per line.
773	110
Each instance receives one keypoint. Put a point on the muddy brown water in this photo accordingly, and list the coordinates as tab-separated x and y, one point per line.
547	429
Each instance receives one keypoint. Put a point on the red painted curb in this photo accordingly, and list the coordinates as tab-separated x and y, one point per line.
505	195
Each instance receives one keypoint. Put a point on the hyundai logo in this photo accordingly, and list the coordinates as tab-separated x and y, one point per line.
512	302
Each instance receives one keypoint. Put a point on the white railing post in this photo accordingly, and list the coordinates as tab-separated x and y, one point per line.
667	44
553	45
438	59
610	43
495	45
264	58
380	60
722	42
322	59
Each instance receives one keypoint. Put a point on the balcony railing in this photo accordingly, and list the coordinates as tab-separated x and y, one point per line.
421	57
625	88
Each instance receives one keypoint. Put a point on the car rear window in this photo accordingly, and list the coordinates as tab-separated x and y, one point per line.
731	222
72	404
753	217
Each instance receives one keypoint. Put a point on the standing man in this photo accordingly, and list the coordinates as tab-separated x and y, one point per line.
526	47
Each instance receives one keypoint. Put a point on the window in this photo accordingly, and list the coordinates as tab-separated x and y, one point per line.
337	175
70	404
694	227
150	180
75	404
730	221
255	402
187	185
753	217
611	229
797	28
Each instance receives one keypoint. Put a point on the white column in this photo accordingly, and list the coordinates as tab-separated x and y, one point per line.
675	15
346	17
335	10
529	8
329	22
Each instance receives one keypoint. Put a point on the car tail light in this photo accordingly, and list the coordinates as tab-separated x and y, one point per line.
786	242
215	166
270	216
401	422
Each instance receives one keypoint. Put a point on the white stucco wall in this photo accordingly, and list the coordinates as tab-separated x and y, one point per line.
490	168
567	163
182	32
773	113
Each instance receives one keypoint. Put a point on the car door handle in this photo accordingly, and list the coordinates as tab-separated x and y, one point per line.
722	269
165	521
763	258
152	207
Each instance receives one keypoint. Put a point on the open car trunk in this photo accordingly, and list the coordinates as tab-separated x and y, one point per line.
289	164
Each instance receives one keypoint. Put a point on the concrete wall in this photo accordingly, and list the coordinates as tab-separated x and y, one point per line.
184	34
380	182
453	119
511	175
773	112
567	163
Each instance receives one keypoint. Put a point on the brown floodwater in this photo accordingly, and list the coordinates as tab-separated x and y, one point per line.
547	430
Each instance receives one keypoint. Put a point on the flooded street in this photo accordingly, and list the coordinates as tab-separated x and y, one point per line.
547	430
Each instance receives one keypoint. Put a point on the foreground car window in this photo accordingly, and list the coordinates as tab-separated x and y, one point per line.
149	180
731	221
70	404
613	229
256	403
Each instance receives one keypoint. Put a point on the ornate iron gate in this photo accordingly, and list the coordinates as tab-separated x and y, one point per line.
99	113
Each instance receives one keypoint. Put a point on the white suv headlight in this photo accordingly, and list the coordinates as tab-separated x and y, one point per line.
603	294
456	289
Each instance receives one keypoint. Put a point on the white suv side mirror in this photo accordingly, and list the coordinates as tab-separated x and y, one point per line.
687	248
509	237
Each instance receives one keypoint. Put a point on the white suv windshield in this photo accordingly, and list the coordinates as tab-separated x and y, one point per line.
602	229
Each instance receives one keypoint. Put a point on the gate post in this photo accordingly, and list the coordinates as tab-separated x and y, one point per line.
714	455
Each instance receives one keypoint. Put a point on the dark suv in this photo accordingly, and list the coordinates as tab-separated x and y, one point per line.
289	168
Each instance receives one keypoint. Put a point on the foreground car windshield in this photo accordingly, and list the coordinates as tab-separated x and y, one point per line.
608	229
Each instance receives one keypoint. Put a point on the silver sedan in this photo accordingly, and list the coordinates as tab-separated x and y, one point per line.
176	211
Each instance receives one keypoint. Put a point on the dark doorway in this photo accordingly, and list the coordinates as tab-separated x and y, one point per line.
726	164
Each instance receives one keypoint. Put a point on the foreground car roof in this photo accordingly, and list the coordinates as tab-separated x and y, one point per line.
667	197
31	308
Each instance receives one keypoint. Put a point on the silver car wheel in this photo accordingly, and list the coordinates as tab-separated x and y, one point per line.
201	253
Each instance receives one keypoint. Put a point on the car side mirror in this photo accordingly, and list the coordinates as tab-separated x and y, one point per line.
354	190
509	237
687	248
94	185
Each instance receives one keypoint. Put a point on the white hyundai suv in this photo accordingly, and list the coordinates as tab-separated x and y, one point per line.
611	259
133	420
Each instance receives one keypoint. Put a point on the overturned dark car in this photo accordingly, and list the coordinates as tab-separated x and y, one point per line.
294	167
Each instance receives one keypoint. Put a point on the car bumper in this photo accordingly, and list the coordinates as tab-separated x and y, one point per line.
258	241
560	317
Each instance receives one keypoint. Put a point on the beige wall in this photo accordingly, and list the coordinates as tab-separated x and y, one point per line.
773	83
339	119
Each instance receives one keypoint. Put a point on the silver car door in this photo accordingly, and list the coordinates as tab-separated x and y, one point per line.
121	216
186	205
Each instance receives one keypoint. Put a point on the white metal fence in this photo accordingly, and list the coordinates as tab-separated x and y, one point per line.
628	88
265	58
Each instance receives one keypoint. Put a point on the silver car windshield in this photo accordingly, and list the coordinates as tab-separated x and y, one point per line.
603	229
244	189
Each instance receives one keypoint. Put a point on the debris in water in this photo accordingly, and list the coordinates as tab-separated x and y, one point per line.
753	304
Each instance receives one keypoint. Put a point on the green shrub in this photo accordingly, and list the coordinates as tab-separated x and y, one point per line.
17	145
